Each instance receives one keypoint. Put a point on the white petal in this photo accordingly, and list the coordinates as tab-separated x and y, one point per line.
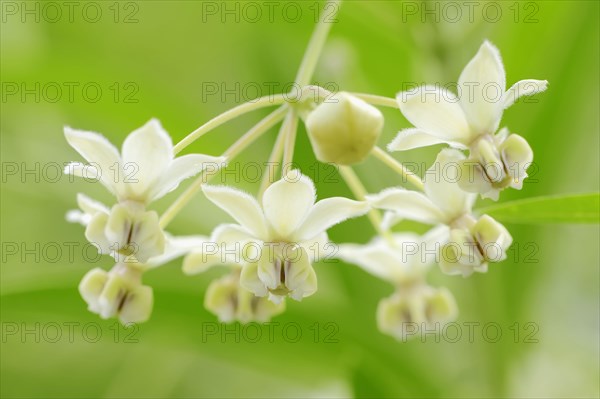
441	185
287	202
240	206
99	152
435	111
85	171
319	247
176	247
408	139
182	168
328	212
482	85
203	259
147	152
89	205
407	204
526	87
374	258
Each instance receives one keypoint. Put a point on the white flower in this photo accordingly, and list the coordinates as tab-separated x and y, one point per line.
415	311
125	230
344	129
120	293
144	171
415	306
467	241
471	119
230	302
286	233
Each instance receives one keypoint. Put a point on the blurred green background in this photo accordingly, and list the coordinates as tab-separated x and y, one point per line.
157	59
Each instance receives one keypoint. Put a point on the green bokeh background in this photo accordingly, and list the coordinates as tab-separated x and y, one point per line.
170	54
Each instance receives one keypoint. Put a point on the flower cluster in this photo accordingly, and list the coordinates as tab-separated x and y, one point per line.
281	233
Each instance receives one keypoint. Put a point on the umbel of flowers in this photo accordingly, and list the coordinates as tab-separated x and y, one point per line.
272	248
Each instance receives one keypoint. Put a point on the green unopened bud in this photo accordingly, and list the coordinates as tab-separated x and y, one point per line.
344	129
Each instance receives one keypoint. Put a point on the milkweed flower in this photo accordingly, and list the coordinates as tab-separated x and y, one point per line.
414	306
470	120
144	171
286	232
120	292
468	243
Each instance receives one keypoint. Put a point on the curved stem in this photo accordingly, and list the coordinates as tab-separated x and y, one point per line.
397	167
289	129
243	142
360	193
315	45
274	159
226	116
377	100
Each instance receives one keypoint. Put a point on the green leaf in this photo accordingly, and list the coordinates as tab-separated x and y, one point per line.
572	208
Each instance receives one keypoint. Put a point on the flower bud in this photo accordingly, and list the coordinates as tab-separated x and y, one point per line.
230	302
344	129
118	293
409	312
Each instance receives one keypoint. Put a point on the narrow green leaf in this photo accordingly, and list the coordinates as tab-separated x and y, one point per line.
572	208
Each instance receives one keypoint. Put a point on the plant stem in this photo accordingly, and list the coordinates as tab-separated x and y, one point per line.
315	45
289	129
377	100
360	193
397	167
228	115
242	143
274	159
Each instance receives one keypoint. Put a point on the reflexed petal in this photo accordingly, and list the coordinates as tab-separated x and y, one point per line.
407	204
89	205
435	111
176	247
99	152
182	168
319	247
203	259
526	87
287	202
482	85
329	212
231	234
240	206
408	139
137	306
147	153
441	185
85	171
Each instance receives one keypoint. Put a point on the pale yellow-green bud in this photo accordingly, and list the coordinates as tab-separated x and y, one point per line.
344	129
